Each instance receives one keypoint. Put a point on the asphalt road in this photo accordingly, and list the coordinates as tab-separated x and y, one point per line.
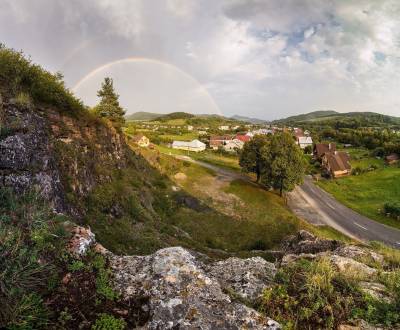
318	207
313	204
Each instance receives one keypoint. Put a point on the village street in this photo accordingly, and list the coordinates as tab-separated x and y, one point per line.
313	204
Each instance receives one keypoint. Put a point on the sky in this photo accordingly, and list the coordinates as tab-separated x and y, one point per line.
259	58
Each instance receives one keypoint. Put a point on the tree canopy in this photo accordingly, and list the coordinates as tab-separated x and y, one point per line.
251	159
275	159
109	106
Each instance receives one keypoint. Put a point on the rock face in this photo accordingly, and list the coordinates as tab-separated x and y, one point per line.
26	159
181	295
58	154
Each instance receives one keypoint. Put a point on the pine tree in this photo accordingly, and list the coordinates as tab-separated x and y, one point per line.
109	106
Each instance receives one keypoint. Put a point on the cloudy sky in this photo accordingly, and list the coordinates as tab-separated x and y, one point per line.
260	58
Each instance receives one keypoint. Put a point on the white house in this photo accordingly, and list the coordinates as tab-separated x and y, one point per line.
190	128
194	145
233	145
223	128
304	141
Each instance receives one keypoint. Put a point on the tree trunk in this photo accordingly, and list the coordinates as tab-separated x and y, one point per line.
258	176
281	188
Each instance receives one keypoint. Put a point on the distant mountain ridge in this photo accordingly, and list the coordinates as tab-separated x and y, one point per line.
142	115
331	116
249	119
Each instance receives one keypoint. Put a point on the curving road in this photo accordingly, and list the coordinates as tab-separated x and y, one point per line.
315	205
318	207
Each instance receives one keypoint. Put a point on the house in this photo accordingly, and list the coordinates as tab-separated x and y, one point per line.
194	145
141	140
321	148
392	159
233	145
336	163
263	131
190	128
223	128
243	137
304	141
202	132
217	141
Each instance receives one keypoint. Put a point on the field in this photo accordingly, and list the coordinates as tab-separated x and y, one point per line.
212	157
366	193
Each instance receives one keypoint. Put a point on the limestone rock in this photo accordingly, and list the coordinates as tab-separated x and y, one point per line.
81	241
246	277
359	254
180	294
376	290
305	242
350	266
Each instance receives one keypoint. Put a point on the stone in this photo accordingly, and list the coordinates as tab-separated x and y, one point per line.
245	277
377	291
180	176
180	294
305	242
81	241
359	253
352	267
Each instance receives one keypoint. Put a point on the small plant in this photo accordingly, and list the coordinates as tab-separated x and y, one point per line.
108	322
23	99
76	266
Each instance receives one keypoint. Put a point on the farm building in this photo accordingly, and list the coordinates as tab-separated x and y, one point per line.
194	145
336	163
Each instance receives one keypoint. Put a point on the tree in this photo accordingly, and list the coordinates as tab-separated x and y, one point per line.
109	106
283	164
251	159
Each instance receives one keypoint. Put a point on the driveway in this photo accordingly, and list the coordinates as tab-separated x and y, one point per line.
313	204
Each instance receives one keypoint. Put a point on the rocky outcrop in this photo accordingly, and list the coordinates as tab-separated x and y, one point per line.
247	278
305	242
62	156
181	294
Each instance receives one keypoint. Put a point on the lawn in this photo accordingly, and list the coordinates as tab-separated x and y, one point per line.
366	193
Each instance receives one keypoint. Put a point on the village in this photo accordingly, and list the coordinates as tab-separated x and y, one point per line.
334	163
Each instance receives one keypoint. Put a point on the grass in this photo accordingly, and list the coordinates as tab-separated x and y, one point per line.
224	160
367	193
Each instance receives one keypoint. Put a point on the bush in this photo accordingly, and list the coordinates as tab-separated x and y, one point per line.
309	295
20	78
393	209
108	322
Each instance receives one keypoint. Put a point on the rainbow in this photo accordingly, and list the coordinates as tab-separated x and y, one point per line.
108	65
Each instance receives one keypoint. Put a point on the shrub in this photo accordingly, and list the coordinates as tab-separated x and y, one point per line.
309	295
393	209
20	77
108	322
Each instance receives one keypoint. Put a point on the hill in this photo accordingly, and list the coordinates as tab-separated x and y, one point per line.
337	119
142	116
248	119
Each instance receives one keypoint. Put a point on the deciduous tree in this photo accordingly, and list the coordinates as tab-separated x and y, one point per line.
251	159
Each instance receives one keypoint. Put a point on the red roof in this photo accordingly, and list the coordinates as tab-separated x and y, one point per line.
243	137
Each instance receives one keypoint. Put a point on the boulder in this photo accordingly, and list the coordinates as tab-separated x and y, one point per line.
349	266
82	239
179	294
359	254
305	242
245	277
377	291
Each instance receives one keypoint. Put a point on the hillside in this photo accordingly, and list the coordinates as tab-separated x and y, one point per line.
348	119
141	116
248	119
